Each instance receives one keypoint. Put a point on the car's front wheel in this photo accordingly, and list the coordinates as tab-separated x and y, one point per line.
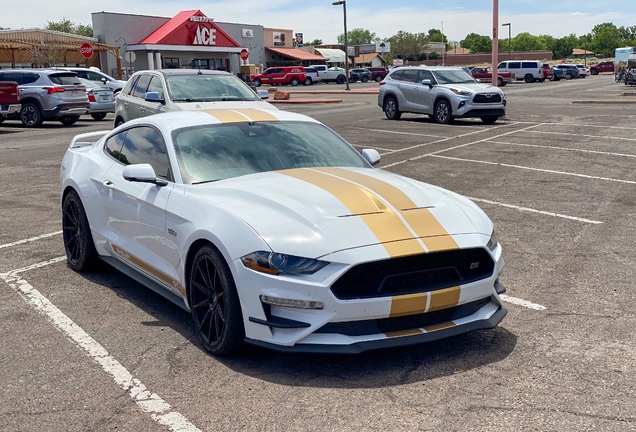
378	78
78	240
308	81
294	82
489	119
257	82
442	112
341	79
529	79
98	116
391	109
214	302
30	115
569	76
365	79
119	121
594	72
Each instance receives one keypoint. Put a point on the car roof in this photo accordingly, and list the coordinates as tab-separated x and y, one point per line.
181	72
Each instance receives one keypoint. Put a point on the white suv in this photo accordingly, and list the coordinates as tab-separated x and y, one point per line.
97	76
527	70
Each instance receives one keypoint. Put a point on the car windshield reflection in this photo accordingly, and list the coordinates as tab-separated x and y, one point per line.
453	77
207	88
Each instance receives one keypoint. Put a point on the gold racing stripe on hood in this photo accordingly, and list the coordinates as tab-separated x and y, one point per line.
421	220
388	228
226	116
257	115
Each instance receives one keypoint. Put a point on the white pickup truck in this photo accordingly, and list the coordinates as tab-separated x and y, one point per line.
333	74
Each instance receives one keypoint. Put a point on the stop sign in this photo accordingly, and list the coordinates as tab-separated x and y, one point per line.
86	50
244	54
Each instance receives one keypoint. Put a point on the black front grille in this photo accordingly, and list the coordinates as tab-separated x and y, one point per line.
410	322
484	98
415	273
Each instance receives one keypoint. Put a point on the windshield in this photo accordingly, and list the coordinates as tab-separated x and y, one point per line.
68	78
216	152
453	77
208	88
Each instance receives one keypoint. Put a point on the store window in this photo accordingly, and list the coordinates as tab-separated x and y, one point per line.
171	63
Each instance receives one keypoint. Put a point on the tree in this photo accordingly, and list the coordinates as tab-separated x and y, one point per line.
527	42
404	43
314	42
432	55
605	39
357	36
65	25
477	43
435	35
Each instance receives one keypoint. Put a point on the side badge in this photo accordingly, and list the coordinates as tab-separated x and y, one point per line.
171	231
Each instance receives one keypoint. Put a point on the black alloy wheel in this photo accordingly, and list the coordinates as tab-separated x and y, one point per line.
391	108
442	112
98	116
214	302
30	115
78	241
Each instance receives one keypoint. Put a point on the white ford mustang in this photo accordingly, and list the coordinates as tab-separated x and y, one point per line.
272	230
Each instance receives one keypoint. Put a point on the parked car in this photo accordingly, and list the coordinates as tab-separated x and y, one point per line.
155	91
364	74
570	71
485	75
101	98
606	66
337	75
272	230
377	73
9	99
529	71
443	93
47	94
583	71
313	76
557	74
293	75
97	76
546	68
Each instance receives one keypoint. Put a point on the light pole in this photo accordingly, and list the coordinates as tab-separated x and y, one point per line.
509	26
344	11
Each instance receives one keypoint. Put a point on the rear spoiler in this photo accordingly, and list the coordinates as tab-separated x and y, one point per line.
87	139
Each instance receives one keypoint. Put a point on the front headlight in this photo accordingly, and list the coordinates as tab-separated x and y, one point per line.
461	92
492	242
276	263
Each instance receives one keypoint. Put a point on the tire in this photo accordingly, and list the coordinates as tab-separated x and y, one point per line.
294	82
391	108
500	82
489	119
118	122
78	240
30	115
541	80
552	78
308	81
593	72
216	309
98	116
442	112
69	120
258	82
365	79
528	78
378	78
341	79
1	118
568	76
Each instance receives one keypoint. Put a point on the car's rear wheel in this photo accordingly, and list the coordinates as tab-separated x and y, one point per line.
294	82
257	82
78	241
443	112
69	120
119	121
98	116
216	309
489	119
500	82
341	79
529	78
569	76
308	81
30	115
378	78
391	109
593	72
365	79
1	118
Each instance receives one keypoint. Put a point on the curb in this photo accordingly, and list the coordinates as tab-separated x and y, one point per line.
603	102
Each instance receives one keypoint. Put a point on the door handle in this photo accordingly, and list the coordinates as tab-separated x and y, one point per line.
109	184
126	104
142	109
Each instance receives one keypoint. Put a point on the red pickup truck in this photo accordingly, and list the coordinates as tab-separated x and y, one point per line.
606	66
284	75
485	75
9	99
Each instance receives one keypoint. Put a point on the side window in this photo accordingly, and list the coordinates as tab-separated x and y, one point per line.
530	65
13	76
156	86
129	85
113	147
514	65
93	76
145	145
81	74
396	75
29	78
425	74
268	71
409	75
141	85
502	65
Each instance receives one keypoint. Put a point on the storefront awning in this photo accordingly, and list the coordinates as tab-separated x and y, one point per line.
332	55
296	54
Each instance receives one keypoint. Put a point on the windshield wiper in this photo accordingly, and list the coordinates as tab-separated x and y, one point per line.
188	100
234	99
205	181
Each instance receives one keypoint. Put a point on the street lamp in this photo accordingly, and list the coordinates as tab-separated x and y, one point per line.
344	11
509	26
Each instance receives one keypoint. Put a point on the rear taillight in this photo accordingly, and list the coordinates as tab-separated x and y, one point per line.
381	83
51	90
317	74
91	97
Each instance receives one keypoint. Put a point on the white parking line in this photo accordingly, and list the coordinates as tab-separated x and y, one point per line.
592	126
584	135
159	409
395	132
547	213
40	237
521	302
536	169
565	148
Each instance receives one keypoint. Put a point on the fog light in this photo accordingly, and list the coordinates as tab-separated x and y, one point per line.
461	104
301	304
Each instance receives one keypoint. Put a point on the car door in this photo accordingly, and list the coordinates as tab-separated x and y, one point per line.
135	103
147	108
409	86
424	96
136	211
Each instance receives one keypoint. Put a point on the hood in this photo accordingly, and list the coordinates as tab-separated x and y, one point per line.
195	106
476	87
315	212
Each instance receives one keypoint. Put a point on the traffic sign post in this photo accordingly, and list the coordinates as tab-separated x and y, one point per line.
86	50
244	55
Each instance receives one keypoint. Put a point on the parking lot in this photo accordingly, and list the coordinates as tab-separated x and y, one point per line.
557	176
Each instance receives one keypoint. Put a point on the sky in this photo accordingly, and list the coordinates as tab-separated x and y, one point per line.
319	19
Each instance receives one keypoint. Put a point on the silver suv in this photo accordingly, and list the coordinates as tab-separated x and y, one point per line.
99	77
156	91
443	93
48	95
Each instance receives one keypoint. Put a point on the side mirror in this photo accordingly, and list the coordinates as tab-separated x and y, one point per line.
478	80
143	173
428	83
263	94
104	80
154	97
372	156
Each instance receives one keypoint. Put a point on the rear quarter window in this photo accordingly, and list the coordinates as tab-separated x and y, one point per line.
529	65
514	65
64	79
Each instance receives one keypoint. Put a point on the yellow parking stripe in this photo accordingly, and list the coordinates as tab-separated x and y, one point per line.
421	220
257	115
444	298
409	304
225	116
